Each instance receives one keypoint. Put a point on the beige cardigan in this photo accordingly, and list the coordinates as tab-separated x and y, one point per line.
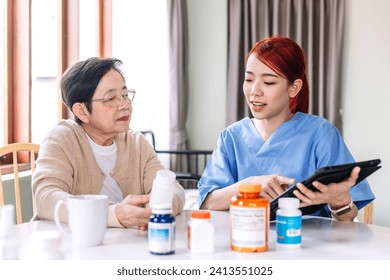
66	166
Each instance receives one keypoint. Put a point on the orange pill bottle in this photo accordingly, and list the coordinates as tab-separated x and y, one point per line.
249	220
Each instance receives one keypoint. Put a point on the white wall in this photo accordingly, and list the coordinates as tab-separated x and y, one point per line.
365	74
366	95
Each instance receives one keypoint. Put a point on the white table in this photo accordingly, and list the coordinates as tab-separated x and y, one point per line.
321	239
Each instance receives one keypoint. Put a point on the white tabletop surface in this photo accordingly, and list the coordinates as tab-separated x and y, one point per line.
321	239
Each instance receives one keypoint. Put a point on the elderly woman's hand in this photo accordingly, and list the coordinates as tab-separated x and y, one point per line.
130	211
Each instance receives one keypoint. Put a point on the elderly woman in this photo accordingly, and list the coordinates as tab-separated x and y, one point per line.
97	153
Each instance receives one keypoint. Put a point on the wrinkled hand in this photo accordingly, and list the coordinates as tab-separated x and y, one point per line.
131	213
271	185
333	193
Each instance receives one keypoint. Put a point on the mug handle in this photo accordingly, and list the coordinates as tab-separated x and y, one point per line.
57	217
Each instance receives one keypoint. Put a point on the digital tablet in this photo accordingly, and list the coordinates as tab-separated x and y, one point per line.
327	175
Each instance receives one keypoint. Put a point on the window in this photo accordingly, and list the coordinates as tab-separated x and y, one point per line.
44	67
3	45
140	40
88	29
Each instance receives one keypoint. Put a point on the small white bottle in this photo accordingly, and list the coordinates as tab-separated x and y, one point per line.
44	245
9	249
200	233
163	189
288	223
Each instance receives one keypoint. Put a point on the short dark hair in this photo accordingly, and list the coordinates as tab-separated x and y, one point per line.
79	82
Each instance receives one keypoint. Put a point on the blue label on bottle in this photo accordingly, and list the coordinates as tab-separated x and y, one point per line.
288	229
161	231
157	235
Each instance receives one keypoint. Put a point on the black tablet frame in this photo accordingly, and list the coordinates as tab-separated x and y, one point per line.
327	175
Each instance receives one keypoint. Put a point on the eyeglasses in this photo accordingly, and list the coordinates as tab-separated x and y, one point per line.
115	101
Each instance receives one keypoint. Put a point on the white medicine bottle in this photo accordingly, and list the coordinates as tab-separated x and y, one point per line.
44	245
288	223
200	233
162	224
163	189
9	249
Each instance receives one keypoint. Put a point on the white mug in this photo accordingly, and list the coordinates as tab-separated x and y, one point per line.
87	218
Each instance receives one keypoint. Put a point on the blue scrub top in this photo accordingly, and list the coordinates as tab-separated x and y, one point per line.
296	149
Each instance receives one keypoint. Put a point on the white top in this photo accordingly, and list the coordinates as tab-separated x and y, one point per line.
106	158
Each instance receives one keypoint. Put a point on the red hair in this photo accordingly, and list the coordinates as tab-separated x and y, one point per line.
286	58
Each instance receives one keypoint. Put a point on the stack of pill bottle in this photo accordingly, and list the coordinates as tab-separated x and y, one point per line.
249	220
288	223
161	226
200	233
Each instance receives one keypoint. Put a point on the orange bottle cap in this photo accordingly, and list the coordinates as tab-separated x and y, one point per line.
200	215
250	188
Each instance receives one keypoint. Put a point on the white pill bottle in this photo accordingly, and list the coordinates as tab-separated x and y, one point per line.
288	223
200	233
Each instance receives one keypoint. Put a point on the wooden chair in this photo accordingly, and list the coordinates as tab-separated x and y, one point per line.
368	212
15	149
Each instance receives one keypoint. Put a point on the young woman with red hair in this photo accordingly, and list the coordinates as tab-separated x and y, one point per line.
281	144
